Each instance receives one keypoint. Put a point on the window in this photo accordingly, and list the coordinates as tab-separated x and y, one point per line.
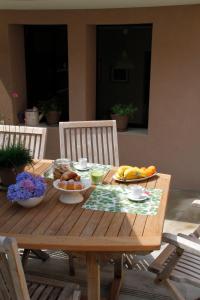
123	69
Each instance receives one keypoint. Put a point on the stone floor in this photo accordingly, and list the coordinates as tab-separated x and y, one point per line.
138	284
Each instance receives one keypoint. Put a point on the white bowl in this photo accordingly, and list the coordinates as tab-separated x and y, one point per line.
31	202
72	196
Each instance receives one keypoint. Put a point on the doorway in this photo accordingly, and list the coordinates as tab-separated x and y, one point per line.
46	58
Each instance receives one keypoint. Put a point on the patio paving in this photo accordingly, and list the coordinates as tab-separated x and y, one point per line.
138	284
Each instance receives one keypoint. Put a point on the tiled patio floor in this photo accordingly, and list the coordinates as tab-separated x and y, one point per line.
138	283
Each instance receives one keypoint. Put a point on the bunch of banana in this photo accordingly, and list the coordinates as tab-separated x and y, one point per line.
127	173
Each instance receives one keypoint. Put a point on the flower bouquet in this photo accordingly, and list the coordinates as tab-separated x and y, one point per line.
28	190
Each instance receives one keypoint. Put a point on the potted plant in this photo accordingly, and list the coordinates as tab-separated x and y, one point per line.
28	190
51	109
13	159
121	113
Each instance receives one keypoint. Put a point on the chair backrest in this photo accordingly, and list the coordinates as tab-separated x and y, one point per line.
12	280
96	140
33	138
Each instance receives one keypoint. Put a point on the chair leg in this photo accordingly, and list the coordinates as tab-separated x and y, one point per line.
71	265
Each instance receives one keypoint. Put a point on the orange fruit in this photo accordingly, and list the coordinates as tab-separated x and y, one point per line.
143	172
150	170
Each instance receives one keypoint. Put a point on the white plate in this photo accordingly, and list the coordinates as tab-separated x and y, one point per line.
138	199
79	168
72	196
134	180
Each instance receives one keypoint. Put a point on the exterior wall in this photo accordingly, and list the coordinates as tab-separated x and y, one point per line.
172	141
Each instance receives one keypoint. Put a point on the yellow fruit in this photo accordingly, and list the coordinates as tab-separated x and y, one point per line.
131	173
142	172
121	170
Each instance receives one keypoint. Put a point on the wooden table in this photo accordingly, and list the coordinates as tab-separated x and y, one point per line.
54	225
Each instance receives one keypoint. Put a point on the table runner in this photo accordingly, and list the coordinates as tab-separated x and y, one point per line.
114	198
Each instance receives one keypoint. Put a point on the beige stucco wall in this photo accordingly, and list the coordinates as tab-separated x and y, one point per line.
172	141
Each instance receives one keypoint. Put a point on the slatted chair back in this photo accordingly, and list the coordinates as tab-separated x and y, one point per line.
33	138
12	280
96	140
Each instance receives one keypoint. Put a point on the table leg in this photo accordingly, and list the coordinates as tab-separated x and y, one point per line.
117	281
93	276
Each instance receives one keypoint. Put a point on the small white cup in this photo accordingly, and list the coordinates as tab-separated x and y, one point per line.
82	162
137	190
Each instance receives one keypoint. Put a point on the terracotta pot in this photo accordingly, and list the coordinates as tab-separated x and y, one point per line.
53	117
8	175
122	122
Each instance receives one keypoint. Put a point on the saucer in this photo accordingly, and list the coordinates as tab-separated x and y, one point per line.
142	197
79	168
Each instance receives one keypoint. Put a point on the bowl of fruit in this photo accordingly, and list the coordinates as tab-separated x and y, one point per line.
133	173
71	186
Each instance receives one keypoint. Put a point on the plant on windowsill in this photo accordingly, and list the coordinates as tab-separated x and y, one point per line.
13	160
52	109
28	190
121	113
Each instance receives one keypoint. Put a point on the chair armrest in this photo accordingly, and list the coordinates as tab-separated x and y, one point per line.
190	237
186	243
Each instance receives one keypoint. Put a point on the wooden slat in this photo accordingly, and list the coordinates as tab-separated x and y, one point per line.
105	143
100	145
110	146
103	225
92	223
43	226
41	215
127	225
115	224
94	145
84	143
81	223
56	225
68	224
78	143
89	145
73	144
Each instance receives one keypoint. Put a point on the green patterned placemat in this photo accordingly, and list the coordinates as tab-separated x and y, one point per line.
114	198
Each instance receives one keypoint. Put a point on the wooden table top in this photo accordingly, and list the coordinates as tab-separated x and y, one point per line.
54	225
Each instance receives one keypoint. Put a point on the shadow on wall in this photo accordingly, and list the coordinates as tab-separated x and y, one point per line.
6	106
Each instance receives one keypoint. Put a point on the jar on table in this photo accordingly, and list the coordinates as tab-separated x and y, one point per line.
61	166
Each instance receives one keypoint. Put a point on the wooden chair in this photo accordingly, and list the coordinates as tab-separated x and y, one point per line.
13	285
33	138
96	140
179	261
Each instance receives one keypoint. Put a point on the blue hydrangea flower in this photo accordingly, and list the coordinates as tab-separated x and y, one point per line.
27	186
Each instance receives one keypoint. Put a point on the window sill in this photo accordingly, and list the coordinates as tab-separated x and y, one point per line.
134	131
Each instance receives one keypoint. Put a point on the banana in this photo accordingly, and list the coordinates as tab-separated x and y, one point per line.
121	170
131	173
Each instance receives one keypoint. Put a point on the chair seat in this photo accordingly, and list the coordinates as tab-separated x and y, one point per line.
186	270
41	288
